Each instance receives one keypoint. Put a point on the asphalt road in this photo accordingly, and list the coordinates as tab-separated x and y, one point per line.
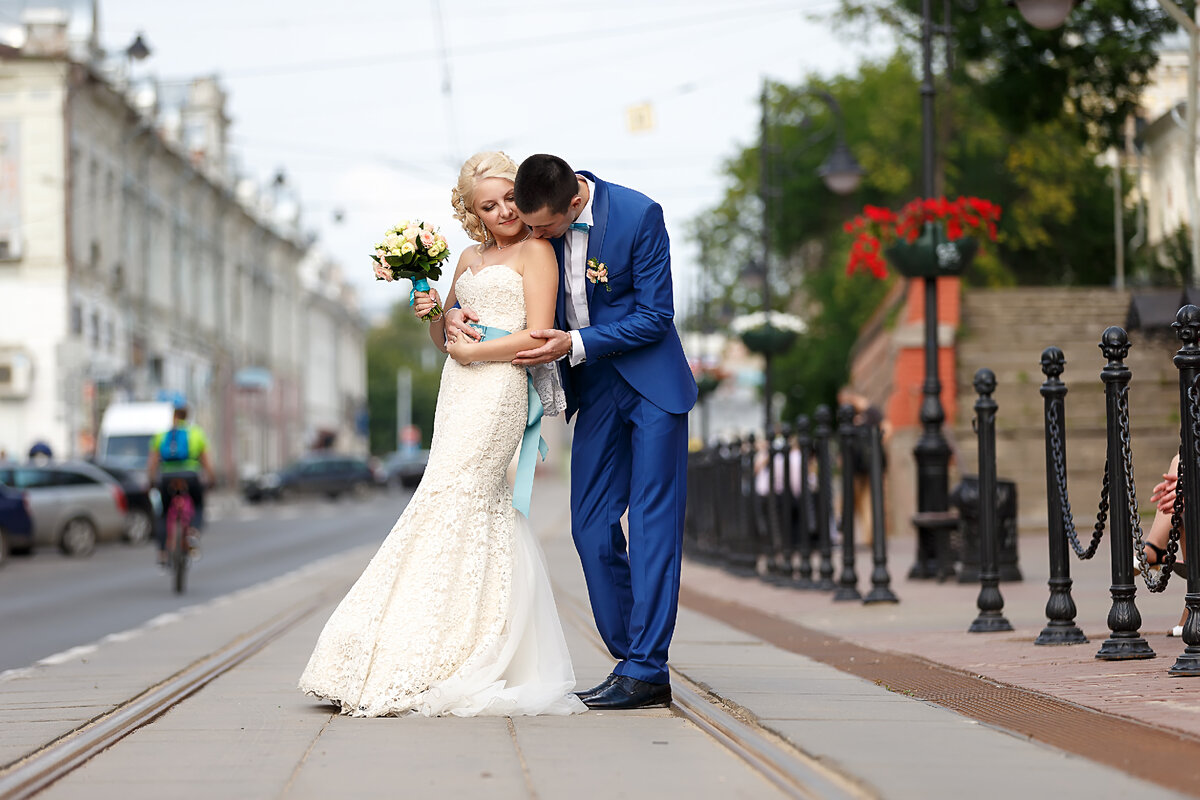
50	603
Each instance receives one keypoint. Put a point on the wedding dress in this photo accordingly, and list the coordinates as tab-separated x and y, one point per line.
454	615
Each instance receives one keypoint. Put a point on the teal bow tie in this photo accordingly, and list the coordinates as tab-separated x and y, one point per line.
580	226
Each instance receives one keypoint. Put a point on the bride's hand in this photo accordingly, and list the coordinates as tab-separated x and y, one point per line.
424	302
456	324
460	349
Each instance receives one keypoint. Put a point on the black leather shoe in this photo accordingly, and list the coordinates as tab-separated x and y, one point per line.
595	690
628	693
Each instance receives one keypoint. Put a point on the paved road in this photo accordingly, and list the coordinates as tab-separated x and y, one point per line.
50	603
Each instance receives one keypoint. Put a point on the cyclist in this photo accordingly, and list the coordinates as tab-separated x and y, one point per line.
179	454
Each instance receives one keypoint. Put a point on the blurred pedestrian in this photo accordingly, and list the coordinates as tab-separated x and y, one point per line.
865	413
40	454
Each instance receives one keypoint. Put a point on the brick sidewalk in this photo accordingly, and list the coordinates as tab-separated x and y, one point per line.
931	622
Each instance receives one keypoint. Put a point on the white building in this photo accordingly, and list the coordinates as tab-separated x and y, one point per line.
1164	152
132	262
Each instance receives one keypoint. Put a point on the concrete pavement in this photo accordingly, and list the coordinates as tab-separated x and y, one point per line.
250	734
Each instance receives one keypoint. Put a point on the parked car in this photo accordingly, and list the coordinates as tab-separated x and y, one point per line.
329	475
16	526
72	504
405	467
142	499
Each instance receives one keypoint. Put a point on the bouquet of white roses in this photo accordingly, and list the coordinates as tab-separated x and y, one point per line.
413	250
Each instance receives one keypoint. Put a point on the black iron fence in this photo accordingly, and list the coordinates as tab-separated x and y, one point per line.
1118	512
765	506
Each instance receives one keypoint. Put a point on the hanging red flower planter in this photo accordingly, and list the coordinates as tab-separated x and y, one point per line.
927	238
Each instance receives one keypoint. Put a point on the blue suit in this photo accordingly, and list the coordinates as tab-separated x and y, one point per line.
630	401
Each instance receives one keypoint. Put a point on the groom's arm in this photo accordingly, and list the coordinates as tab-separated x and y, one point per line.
654	300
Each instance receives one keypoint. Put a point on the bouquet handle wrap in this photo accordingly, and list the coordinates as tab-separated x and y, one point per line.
422	285
418	285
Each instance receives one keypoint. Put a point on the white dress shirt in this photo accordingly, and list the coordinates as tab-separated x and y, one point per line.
575	246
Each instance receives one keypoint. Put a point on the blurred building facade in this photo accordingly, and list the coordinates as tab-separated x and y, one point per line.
133	261
1162	156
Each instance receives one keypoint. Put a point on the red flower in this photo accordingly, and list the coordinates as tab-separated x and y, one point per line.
877	226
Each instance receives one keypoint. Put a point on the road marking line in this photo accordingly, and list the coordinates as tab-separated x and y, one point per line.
67	655
171	617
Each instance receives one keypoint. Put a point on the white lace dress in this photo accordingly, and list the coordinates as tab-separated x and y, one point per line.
454	615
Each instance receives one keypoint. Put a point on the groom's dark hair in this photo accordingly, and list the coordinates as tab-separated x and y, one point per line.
545	181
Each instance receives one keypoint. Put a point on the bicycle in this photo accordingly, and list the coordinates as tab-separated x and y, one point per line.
179	521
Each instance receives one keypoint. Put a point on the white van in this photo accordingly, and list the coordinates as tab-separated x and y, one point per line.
126	429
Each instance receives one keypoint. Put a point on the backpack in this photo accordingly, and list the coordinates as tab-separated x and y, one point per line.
174	445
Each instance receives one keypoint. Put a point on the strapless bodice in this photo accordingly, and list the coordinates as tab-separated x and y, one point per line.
496	293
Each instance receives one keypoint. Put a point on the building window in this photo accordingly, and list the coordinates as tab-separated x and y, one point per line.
95	329
76	319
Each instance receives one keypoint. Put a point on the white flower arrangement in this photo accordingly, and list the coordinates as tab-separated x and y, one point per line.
785	322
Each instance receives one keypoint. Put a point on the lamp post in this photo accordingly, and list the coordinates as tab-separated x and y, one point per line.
932	451
137	50
841	174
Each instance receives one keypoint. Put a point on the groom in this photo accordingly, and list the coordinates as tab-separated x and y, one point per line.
626	377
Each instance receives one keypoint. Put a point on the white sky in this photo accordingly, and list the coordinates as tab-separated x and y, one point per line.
347	97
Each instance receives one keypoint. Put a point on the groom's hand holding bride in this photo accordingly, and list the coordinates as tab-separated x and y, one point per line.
558	344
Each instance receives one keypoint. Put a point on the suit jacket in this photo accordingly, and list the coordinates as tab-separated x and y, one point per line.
633	324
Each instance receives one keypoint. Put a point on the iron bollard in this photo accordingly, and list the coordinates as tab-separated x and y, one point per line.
779	564
1060	608
881	591
1124	619
787	507
1187	360
743	557
822	432
990	601
804	525
729	518
847	433
708	505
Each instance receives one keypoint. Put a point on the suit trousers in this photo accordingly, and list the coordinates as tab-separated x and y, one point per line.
629	455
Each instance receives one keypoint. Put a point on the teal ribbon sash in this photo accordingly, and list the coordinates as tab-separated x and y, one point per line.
532	443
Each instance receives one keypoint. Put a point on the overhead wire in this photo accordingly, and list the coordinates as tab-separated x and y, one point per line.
501	46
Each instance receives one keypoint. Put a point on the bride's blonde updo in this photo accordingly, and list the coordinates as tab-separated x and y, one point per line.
490	164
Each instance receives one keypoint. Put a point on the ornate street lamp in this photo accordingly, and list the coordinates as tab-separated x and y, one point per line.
841	171
138	50
841	174
932	452
1045	15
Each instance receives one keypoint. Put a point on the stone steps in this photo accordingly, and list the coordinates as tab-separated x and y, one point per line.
1006	330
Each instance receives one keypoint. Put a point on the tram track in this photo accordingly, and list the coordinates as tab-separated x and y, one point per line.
793	772
36	771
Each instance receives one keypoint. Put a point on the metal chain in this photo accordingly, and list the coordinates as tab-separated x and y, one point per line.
1058	456
1158	584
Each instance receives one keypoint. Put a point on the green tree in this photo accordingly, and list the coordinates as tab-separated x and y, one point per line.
401	342
1088	73
1057	226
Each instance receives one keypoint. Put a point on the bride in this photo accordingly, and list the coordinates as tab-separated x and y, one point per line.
454	615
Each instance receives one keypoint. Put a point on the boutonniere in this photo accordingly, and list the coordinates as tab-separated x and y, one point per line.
597	272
